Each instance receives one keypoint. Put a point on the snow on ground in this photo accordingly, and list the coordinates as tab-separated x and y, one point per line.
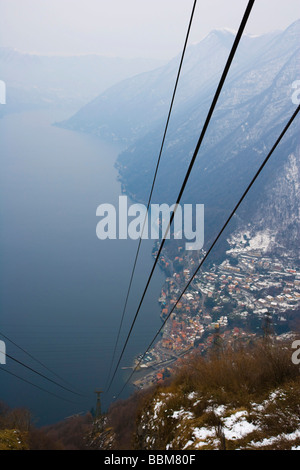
243	242
202	434
157	407
182	414
273	440
236	426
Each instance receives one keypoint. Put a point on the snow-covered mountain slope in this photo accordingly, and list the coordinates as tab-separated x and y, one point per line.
275	214
220	427
255	104
242	398
131	108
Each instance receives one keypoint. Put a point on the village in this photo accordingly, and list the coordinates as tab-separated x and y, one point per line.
235	300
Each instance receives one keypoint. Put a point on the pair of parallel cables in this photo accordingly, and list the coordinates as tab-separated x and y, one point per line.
43	376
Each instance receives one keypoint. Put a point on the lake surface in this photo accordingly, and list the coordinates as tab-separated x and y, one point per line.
62	289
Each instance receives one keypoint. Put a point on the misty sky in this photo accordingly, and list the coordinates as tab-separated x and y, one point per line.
129	28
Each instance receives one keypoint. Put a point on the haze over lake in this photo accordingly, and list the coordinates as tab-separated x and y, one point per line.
62	289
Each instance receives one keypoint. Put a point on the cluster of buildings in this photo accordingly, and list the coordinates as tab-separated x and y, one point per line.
246	286
254	285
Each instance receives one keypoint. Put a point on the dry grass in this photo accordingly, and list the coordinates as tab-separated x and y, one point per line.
238	379
237	376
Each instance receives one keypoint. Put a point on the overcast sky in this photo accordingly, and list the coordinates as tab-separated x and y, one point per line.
129	28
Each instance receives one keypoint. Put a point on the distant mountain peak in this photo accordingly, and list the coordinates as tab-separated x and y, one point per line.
223	33
229	33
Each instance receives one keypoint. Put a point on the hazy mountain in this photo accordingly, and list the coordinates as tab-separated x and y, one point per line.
53	80
130	109
255	104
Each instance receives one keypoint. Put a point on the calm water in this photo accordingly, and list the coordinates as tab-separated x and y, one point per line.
62	289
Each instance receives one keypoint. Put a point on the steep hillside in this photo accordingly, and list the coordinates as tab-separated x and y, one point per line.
18	431
243	399
130	109
275	213
254	107
13	439
255	104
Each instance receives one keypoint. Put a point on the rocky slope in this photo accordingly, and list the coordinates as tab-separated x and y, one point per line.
238	399
221	427
243	397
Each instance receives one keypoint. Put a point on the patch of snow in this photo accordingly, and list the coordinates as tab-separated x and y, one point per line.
189	443
182	414
236	426
257	407
203	433
157	407
260	241
272	440
265	442
219	411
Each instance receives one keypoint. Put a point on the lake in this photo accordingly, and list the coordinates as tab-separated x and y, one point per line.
62	289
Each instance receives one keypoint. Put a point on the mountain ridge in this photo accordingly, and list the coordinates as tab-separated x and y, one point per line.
255	105
51	80
211	50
